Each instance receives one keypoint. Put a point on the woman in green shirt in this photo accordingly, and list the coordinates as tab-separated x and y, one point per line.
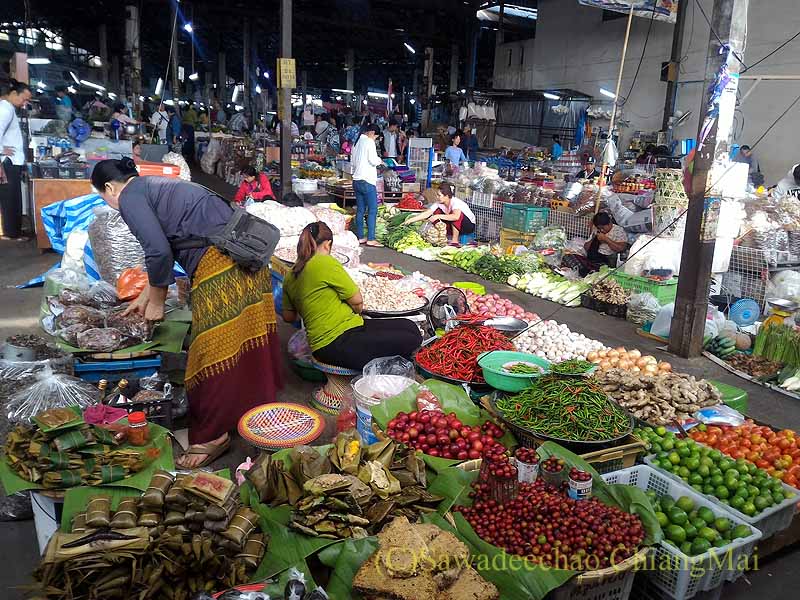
321	292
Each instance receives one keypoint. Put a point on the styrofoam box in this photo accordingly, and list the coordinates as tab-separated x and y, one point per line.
692	574
768	522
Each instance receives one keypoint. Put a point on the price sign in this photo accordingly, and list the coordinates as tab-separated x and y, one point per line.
287	73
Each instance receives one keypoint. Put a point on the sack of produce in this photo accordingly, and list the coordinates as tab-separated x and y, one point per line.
332	218
115	248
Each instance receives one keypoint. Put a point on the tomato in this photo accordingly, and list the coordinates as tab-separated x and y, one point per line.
762	464
712	439
737	453
714	429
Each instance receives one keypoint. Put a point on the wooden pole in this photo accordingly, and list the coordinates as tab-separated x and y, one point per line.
612	121
285	101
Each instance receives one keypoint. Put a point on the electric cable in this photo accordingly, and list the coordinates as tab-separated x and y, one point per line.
716	35
641	58
778	49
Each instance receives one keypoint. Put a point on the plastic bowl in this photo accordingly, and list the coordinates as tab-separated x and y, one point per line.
492	365
508	325
473	287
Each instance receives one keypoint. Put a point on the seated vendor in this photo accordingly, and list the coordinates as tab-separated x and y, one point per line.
589	171
453	211
319	290
607	242
255	185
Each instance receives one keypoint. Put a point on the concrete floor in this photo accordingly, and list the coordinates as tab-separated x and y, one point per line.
19	314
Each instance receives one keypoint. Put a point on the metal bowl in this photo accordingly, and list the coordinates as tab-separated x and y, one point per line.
508	325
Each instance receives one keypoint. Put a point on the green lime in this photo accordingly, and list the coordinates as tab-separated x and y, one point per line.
742	465
741	531
656	447
677	516
683	473
665	464
722	492
720	543
732	485
667	444
708	489
686	547
716	471
674	458
706	514
753	491
746	478
777	497
696	479
717	480
684	451
700	545
787	495
708	534
663	520
691	531
727	463
661	431
731	474
667	502
685	503
762	502
749	509
693	463
675	533
706	461
737	502
722	524
697	487
697	523
703	470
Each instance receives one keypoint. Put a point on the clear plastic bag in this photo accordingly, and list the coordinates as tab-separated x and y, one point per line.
389	365
427	400
643	308
298	346
550	237
103	295
50	390
107	339
133	326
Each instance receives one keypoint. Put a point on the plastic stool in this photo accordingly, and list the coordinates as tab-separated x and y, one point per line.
330	396
466	238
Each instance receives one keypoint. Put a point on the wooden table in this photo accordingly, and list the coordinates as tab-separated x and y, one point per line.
49	191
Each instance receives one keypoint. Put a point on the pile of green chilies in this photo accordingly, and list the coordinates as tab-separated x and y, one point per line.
522	368
569	409
569	367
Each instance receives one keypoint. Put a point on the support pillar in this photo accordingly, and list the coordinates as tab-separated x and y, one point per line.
246	29
133	55
728	36
174	57
454	68
222	78
102	34
674	64
285	101
350	67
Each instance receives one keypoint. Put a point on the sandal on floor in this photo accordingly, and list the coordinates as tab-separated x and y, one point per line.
362	241
214	451
374	244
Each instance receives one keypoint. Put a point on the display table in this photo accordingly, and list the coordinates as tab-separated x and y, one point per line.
45	192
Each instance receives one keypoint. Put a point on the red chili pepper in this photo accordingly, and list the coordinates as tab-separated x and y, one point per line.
455	355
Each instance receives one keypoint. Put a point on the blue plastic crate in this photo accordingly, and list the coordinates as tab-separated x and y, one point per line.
114	370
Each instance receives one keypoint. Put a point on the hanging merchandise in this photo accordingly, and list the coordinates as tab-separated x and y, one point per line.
114	247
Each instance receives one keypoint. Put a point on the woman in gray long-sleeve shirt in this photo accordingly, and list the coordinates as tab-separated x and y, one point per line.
234	361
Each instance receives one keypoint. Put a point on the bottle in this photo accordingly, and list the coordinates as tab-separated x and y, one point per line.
101	391
118	395
138	429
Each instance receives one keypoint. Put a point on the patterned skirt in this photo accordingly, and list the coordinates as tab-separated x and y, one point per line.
234	355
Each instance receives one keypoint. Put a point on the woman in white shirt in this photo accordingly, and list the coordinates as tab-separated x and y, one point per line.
13	95
453	211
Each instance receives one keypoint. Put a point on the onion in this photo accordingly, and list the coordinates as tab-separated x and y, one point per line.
602	354
641	363
624	356
665	367
621	349
634	354
613	353
650	359
635	369
596	361
614	361
605	365
592	356
651	369
624	364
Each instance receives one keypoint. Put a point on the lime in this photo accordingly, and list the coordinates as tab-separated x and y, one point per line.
722	524
708	534
737	502
742	465
665	464
700	545
667	444
696	478
749	509
663	520
762	502
731	474
717	480
703	470
667	502
661	431
675	533
722	492
706	461
732	485
685	503
683	473
677	516
697	522
777	497
674	458
686	547
753	491
656	447
741	531
720	543
693	463
697	487
691	531
684	451
706	514
708	489
715	471
727	463
788	495
746	478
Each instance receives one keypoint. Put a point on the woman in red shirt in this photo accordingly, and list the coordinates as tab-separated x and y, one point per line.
255	185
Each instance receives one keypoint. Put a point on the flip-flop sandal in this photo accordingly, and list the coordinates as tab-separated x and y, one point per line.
362	241
213	452
374	244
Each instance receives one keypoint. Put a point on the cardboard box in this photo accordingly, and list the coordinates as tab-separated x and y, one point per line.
410	187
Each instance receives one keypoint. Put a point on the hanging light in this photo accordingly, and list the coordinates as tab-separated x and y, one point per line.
96	86
550	96
72	90
258	89
194	77
409	47
188	28
38	61
159	86
74	78
605	92
413	101
235	96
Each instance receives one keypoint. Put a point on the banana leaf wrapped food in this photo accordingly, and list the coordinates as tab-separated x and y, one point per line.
345	454
73	439
98	512
274	484
307	463
241	526
157	489
177	498
79	523
126	515
210	487
253	550
149	518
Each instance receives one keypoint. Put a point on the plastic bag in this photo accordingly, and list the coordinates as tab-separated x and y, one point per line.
663	321
131	283
132	326
298	346
115	248
50	390
643	308
427	400
107	339
575	246
389	365
86	315
550	237
102	295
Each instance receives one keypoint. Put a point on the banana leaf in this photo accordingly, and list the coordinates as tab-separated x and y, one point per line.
276	588
345	560
13	483
452	398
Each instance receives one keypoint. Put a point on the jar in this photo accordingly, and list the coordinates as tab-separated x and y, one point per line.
138	429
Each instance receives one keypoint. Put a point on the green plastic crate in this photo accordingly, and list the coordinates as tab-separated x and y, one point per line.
732	396
524	218
664	291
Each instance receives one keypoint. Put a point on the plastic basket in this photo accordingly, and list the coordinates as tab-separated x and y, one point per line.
692	574
614	459
769	522
645	589
664	291
115	370
616	585
524	218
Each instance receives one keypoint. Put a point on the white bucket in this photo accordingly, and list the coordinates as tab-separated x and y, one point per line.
370	391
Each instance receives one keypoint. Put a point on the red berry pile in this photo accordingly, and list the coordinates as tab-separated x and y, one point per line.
578	475
527	456
547	527
439	434
553	465
497	463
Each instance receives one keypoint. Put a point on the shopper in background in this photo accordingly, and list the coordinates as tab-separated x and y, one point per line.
322	124
366	161
174	127
469	144
589	170
391	140
13	95
366	118
63	104
453	153
160	120
745	155
453	211
255	185
789	185
234	361
121	115
189	121
557	150
321	292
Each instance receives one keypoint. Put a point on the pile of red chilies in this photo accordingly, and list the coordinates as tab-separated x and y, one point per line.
455	354
410	202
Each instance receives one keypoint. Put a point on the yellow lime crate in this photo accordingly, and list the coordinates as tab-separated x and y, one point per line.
510	238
